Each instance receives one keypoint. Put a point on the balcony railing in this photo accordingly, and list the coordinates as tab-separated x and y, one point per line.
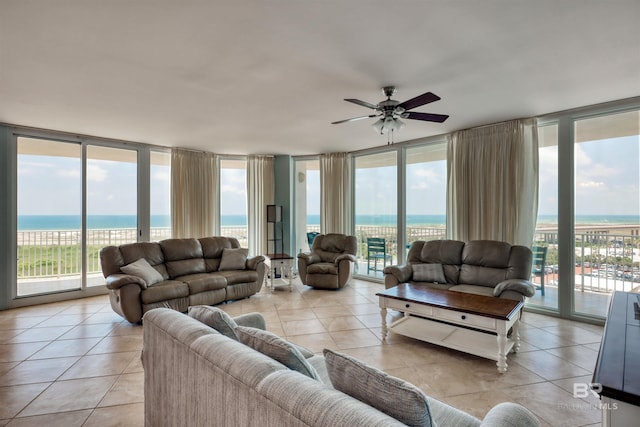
611	262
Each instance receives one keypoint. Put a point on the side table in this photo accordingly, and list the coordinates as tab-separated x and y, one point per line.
282	262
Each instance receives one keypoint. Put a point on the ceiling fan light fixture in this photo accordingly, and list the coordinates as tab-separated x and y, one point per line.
378	126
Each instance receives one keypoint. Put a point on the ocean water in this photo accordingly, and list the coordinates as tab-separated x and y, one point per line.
72	222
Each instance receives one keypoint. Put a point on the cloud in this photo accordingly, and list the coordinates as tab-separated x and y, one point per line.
73	173
232	189
161	176
592	184
96	173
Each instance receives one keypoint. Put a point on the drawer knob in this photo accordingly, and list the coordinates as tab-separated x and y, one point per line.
463	317
406	305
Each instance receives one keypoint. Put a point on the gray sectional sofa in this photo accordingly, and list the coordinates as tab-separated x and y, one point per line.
196	376
178	273
484	267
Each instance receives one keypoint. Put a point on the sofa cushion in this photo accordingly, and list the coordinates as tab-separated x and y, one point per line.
322	268
216	319
393	396
182	257
142	269
428	272
164	291
233	277
233	259
202	282
278	349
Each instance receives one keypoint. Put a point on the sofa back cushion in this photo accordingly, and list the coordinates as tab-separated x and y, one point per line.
212	248
150	251
182	256
484	262
445	252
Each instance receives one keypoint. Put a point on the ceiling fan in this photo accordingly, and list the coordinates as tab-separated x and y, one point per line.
389	112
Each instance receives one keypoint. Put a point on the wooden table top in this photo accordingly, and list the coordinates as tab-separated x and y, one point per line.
498	308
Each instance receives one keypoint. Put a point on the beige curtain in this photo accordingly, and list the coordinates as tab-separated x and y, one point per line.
194	194
335	190
492	190
260	193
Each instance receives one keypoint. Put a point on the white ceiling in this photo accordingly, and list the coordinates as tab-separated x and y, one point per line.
268	76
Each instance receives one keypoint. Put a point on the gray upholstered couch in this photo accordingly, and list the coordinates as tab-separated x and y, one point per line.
330	263
195	376
484	267
187	272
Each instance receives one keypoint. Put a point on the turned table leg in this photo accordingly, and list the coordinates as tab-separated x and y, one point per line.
383	314
502	354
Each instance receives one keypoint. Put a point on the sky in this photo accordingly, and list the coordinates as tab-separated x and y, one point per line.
607	182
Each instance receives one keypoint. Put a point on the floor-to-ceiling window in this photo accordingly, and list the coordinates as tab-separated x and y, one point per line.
233	200
607	209
376	208
545	268
307	202
73	196
49	210
111	203
425	192
160	195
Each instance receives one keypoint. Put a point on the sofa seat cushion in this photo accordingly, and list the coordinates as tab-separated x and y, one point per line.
473	289
393	396
322	268
164	291
201	282
238	276
277	348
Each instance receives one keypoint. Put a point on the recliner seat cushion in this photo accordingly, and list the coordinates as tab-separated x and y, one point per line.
237	276
322	268
201	282
163	291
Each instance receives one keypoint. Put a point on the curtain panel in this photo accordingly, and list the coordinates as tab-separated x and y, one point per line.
260	193
335	190
194	194
492	188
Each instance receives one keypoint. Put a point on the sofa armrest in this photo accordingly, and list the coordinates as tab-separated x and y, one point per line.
508	414
402	272
347	257
251	320
309	258
118	280
254	261
522	286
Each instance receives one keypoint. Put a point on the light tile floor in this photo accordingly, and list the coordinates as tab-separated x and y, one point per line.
77	363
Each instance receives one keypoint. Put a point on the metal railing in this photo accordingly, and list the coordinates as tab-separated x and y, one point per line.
602	265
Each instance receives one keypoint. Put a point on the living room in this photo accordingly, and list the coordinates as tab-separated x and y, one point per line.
153	79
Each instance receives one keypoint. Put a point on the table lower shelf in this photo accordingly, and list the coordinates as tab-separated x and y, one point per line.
456	337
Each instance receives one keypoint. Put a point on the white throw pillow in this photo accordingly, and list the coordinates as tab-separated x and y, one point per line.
142	269
233	259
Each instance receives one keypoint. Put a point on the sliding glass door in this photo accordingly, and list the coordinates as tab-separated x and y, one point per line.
49	214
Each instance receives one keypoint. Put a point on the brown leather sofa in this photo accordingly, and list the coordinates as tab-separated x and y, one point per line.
330	263
192	272
484	267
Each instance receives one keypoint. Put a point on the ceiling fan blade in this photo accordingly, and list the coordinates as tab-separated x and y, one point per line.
419	100
363	103
354	119
425	116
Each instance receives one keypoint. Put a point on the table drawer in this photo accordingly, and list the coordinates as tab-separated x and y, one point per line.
465	318
411	307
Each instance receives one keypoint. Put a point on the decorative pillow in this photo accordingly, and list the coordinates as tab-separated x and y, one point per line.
428	273
142	269
276	348
393	396
216	319
233	259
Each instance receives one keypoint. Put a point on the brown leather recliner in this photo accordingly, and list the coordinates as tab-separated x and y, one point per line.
330	263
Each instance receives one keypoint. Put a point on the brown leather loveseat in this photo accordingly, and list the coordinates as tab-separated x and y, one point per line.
178	273
484	267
